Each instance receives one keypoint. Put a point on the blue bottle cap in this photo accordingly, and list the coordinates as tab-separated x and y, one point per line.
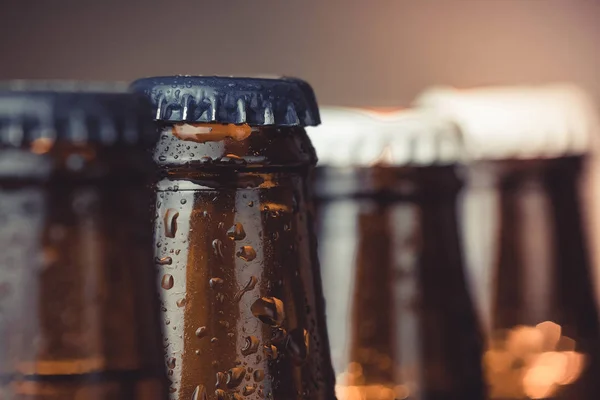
231	100
102	118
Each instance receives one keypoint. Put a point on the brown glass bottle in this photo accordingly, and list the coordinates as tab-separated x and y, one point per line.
543	321
240	284
400	317
78	309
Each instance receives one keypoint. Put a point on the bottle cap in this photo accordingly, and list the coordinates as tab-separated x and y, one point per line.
363	137
54	115
231	100
518	122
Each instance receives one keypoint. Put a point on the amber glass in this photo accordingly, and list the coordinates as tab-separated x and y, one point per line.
239	277
542	318
402	325
78	306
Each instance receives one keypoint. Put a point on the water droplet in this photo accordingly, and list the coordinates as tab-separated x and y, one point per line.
270	351
183	201
235	377
170	222
167	322
250	204
181	302
236	232
214	340
170	372
246	253
201	332
297	345
163	261
171	363
275	235
162	158
278	336
237	396
177	252
199	393
250	345
224	324
248	287
248	390
167	281
215	282
172	390
269	310
218	247
259	375
221	394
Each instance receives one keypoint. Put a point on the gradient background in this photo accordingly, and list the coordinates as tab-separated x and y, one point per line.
354	52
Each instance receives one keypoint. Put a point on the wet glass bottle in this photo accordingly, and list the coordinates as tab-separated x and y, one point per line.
400	318
79	314
529	263
235	249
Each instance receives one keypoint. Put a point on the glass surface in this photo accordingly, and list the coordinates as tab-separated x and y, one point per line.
401	321
78	306
239	277
532	279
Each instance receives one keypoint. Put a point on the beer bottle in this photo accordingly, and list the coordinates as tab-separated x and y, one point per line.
530	266
239	278
402	325
79	312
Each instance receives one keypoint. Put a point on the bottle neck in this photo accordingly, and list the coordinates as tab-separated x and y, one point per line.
220	147
388	184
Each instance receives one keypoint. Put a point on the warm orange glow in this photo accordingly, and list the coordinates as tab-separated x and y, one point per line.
531	361
41	146
202	133
371	392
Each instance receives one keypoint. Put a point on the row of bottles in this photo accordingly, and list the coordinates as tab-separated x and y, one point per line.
227	300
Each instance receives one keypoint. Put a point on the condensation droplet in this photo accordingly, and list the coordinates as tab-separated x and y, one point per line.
250	345
221	394
236	232
250	204
170	222
181	302
270	351
259	375
297	345
221	379
163	260
247	287
246	253
235	377
199	393
248	390
171	363
215	282
214	340
217	245
167	281
224	324
183	201
201	332
269	310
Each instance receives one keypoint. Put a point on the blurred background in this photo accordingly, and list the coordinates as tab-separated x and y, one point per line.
373	53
